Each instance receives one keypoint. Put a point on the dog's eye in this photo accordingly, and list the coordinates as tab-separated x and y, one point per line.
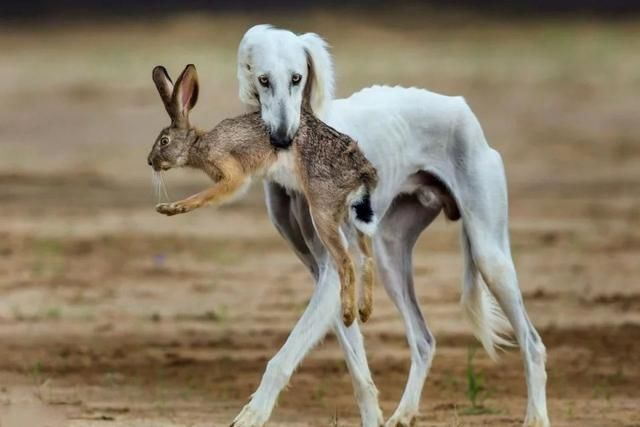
263	80
295	79
164	140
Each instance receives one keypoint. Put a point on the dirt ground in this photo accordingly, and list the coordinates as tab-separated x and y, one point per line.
112	315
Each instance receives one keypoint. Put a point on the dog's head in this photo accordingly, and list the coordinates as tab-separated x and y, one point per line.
279	72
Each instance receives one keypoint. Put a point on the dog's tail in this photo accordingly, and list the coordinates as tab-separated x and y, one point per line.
490	326
361	213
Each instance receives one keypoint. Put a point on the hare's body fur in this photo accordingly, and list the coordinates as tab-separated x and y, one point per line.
323	164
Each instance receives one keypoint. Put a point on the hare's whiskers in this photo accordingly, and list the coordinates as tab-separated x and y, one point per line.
163	186
155	179
154	184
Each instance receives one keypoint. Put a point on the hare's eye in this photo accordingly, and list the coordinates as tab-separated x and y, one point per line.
263	80
295	79
164	140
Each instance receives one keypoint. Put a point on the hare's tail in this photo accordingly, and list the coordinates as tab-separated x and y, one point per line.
361	213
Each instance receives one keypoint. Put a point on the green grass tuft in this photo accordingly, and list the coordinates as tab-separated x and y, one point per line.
476	391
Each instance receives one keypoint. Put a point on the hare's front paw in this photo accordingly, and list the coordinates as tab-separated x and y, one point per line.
171	208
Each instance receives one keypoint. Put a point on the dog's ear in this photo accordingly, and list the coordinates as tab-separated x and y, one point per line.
185	93
247	89
165	88
320	79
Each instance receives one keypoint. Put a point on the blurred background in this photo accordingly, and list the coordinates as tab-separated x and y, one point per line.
111	314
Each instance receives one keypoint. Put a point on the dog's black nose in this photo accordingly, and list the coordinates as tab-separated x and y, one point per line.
280	142
149	162
280	139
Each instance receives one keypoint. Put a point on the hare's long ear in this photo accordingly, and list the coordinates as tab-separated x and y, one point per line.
165	88
185	94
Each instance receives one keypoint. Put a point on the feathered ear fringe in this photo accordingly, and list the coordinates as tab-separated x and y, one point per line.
321	77
247	90
321	73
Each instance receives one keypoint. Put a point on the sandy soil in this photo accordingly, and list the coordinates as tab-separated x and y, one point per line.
112	315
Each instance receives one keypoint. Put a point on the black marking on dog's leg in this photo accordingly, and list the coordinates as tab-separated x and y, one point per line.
363	209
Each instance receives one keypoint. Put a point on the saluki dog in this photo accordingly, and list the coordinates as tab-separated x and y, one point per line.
431	156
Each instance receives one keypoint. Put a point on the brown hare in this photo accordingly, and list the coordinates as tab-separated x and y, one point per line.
323	164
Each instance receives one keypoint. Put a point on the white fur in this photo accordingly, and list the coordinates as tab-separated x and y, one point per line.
320	61
390	251
403	131
283	171
368	228
488	322
278	54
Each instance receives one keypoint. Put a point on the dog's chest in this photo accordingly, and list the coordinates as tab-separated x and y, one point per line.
283	171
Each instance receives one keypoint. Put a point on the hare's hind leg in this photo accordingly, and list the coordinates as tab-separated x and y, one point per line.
367	278
327	224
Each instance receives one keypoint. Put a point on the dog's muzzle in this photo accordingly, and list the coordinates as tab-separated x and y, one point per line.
280	139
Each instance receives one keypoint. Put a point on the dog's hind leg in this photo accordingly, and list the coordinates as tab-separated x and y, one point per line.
393	243
485	223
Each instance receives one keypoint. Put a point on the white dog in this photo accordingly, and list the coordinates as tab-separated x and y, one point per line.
431	155
273	72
